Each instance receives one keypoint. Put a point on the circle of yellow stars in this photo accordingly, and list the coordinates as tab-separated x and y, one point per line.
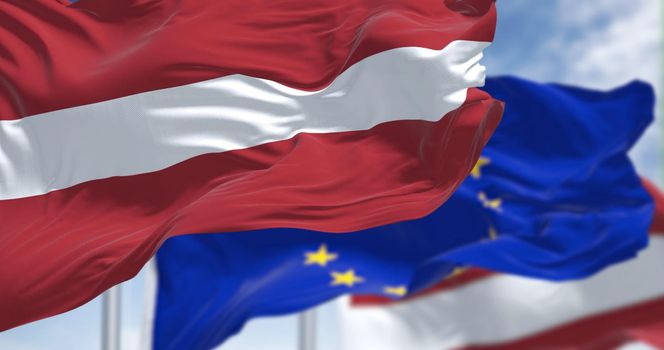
322	257
489	203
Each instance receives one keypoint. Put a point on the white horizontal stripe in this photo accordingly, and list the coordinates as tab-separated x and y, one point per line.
154	130
637	346
500	308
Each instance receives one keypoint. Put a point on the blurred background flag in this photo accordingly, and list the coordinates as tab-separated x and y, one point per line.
554	195
658	219
477	309
126	122
621	305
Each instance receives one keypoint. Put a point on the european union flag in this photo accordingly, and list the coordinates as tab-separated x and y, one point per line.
553	196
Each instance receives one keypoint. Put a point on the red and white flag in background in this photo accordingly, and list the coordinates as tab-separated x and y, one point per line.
481	310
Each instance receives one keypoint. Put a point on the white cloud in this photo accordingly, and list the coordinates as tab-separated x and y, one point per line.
613	41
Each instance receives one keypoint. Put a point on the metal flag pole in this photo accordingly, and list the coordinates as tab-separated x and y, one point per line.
661	92
307	330
110	323
149	300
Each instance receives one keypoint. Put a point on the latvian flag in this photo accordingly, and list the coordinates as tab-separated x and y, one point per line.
126	122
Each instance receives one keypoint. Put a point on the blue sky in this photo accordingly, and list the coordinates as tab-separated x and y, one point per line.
592	43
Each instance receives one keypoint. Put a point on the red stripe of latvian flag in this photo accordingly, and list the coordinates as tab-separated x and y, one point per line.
125	122
481	310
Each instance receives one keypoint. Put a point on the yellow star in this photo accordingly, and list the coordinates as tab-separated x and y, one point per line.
457	271
493	234
348	278
398	291
477	169
490	203
320	257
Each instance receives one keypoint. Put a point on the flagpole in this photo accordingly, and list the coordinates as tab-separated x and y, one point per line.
110	327
149	301
307	330
661	93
